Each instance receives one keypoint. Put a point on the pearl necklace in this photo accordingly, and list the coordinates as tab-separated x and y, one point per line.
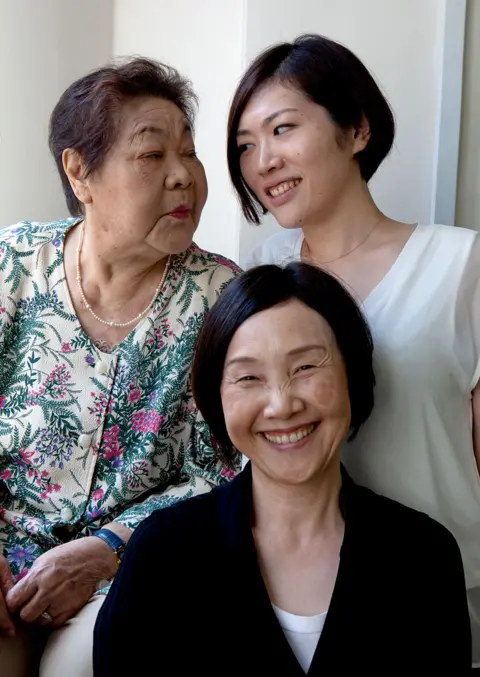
89	307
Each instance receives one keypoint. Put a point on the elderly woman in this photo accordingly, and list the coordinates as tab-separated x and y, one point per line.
301	570
99	316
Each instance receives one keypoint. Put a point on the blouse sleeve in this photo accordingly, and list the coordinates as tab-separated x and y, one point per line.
468	318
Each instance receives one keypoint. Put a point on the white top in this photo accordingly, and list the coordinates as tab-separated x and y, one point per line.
302	633
417	445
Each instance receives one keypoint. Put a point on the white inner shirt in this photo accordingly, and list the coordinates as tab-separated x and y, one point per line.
302	633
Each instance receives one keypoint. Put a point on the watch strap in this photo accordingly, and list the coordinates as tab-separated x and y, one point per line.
111	539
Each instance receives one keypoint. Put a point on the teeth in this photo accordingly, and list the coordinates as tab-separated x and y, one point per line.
283	187
292	437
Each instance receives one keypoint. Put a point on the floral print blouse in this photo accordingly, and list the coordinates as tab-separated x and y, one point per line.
88	437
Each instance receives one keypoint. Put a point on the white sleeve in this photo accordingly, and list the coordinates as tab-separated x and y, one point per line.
468	317
255	257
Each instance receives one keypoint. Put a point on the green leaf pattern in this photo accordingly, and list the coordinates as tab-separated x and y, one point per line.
88	437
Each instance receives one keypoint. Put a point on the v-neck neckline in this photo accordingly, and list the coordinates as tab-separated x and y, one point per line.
371	301
259	592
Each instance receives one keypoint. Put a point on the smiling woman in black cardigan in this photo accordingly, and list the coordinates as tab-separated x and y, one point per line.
291	568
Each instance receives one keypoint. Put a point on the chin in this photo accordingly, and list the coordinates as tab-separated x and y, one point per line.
179	242
286	220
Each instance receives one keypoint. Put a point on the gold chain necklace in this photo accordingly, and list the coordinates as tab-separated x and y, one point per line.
342	256
89	307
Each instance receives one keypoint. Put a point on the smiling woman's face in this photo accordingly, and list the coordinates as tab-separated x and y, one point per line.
293	157
285	393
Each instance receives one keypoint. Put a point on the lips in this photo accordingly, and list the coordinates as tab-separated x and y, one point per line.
281	187
180	212
291	437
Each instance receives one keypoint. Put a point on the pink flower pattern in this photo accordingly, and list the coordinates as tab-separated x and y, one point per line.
147	421
91	441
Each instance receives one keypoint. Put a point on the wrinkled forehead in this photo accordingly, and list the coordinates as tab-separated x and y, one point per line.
149	118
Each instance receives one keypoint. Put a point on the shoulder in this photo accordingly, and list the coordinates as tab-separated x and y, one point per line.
405	529
188	522
280	248
28	250
451	239
206	272
27	235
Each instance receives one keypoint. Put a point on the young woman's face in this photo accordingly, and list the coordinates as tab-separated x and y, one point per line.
293	157
285	393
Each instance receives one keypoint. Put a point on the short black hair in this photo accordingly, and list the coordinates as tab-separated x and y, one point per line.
86	116
328	74
265	287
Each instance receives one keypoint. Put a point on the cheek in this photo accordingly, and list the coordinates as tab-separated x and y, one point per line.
247	170
240	409
330	394
201	186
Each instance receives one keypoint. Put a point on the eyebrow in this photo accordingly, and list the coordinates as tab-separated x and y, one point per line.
269	119
154	129
245	359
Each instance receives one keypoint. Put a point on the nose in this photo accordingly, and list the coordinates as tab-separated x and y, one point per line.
178	175
269	159
282	404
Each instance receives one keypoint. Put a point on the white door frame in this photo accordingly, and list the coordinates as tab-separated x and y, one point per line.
444	191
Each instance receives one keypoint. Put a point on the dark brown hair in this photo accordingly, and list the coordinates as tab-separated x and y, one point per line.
265	287
328	74
86	116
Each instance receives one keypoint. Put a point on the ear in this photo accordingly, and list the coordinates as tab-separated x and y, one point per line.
361	136
74	168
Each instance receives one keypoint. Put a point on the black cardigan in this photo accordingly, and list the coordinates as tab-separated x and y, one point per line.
189	598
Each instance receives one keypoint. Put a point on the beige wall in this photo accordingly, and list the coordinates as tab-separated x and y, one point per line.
468	189
203	39
44	46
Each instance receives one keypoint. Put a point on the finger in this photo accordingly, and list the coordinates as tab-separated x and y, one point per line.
34	608
41	620
61	618
6	577
7	626
21	593
58	621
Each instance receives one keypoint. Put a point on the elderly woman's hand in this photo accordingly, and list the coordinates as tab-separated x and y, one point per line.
6	584
62	581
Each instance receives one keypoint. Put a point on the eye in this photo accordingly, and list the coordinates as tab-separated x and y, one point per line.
247	379
306	367
281	129
192	154
158	155
244	147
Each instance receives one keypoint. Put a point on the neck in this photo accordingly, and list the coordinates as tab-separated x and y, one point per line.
345	226
297	513
115	271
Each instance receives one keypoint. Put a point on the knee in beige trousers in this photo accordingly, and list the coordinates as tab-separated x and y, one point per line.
64	652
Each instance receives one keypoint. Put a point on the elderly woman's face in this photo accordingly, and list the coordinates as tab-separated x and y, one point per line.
151	188
285	392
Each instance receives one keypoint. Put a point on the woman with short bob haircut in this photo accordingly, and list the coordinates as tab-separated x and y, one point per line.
291	568
308	128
